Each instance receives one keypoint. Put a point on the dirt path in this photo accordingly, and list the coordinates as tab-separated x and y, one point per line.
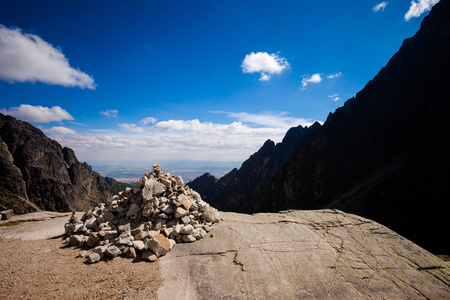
48	269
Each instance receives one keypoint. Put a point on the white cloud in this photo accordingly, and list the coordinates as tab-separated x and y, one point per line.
334	97
418	8
38	114
131	127
183	139
276	120
315	78
335	75
110	113
380	6
59	130
148	120
264	63
26	57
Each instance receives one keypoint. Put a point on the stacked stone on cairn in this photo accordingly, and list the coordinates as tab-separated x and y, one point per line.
146	220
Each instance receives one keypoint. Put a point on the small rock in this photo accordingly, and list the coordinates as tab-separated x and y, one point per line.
187	238
133	210
211	214
188	229
129	252
139	245
82	254
93	258
112	251
7	214
76	240
125	227
91	223
199	234
149	256
180	212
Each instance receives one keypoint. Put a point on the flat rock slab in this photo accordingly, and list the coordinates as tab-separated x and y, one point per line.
323	254
37	225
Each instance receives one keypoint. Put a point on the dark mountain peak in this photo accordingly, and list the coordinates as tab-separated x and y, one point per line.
240	189
383	154
37	173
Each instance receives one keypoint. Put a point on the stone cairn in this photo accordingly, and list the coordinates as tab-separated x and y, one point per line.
144	221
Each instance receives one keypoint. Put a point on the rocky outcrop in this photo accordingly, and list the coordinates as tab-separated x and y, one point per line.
324	254
384	154
37	173
240	189
145	221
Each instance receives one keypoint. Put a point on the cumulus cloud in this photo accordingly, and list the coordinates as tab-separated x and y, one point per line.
264	63
380	6
149	120
187	139
26	57
110	113
315	78
59	130
38	114
334	97
417	8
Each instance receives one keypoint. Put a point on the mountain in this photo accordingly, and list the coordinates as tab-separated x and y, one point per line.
384	155
239	190
37	173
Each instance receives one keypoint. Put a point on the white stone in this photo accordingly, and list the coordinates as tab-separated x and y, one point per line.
187	238
188	229
180	212
139	245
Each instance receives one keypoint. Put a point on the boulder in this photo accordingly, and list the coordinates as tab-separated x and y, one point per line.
7	214
159	245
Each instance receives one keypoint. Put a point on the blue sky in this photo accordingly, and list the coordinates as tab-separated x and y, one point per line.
202	80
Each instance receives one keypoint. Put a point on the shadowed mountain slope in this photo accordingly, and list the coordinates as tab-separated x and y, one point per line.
385	154
239	190
37	173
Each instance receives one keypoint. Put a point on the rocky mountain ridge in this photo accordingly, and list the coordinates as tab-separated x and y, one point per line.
384	154
37	173
240	190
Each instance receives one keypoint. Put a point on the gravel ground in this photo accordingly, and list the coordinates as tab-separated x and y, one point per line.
49	269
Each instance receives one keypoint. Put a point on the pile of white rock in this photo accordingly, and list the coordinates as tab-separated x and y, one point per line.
144	221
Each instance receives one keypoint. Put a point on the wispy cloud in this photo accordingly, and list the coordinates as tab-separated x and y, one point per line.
26	57
264	63
335	75
315	78
380	6
275	120
334	97
59	130
110	113
38	114
417	8
131	127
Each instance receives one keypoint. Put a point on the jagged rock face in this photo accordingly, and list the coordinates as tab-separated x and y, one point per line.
384	154
37	173
240	189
